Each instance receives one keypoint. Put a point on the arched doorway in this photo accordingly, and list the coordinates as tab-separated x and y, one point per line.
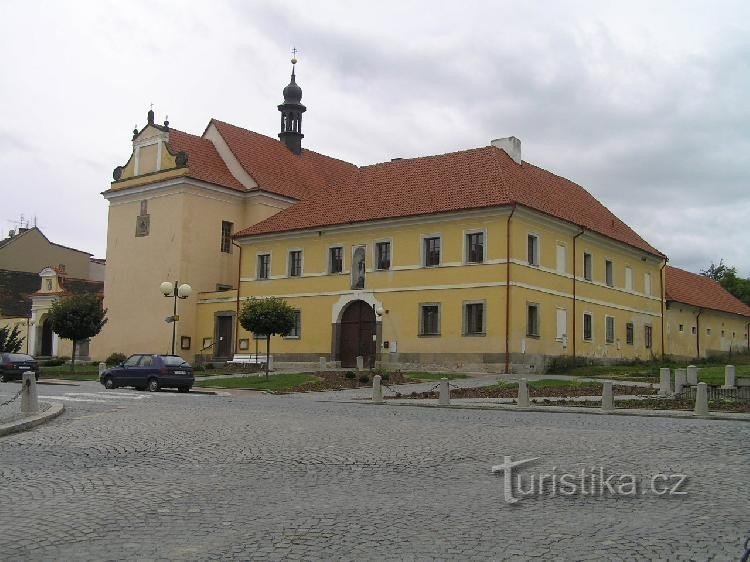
46	348
357	332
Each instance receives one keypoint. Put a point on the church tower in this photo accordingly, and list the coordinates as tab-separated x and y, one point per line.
291	115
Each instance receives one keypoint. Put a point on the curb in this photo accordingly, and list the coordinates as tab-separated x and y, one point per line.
55	409
676	414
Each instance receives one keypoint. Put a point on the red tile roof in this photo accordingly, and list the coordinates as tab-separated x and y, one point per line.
276	169
471	179
204	162
702	292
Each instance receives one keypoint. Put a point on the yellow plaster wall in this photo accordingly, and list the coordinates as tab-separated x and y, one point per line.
32	253
685	343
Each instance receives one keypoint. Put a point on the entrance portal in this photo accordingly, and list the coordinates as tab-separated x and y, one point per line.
357	335
46	349
224	342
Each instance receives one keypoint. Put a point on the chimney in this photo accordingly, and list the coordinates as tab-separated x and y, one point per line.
511	145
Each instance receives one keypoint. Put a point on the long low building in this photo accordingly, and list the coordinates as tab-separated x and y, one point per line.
475	259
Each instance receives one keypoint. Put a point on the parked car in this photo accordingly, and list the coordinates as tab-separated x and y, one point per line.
146	371
14	365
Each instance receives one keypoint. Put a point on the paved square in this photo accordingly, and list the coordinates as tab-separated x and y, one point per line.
125	475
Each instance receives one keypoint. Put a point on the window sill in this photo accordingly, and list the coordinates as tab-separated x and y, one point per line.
589	340
479	335
428	335
290	337
474	263
535	336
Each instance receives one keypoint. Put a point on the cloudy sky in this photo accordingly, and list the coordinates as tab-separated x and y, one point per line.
643	103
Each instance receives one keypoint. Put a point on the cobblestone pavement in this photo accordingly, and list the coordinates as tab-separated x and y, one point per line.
255	476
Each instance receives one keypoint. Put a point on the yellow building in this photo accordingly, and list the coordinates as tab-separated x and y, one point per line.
703	319
472	260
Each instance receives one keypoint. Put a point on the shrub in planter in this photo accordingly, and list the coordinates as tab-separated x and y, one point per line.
53	362
114	359
350	375
210	366
364	379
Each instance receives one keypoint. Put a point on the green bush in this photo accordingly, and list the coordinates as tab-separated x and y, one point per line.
115	359
210	366
565	363
53	362
364	379
350	375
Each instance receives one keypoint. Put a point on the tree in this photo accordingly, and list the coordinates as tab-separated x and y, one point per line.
268	317
10	340
726	276
77	318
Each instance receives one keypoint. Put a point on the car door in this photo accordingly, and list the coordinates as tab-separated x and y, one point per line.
128	373
146	367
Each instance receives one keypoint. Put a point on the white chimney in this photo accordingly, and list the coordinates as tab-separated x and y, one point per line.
511	145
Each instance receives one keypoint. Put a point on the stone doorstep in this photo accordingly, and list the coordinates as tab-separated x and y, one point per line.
55	409
681	414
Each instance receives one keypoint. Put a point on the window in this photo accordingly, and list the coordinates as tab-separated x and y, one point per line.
588	327
693	330
608	274
533	249
132	361
296	329
429	319
647	284
336	260
562	325
708	331
681	328
383	255
610	329
629	333
629	278
264	266
223	287
587	267
432	251
561	257
226	236
474	319
295	263
475	247
647	332
532	320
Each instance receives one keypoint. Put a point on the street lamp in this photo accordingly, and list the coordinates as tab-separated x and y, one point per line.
175	292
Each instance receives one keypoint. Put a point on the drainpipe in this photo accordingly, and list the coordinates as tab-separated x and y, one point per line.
662	296
575	260
698	334
237	306
507	293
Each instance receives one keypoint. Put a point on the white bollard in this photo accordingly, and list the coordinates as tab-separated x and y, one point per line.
608	397
360	363
29	396
445	393
377	390
730	377
701	400
523	394
102	367
665	381
692	375
680	380
322	364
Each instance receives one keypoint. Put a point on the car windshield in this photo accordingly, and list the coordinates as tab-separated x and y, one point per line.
175	361
17	357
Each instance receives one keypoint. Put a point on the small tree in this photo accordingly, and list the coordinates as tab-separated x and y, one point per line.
10	340
77	318
269	316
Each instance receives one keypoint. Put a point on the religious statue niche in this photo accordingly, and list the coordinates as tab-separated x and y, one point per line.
143	220
358	268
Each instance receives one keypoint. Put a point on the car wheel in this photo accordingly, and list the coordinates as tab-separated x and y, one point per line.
4	378
109	383
183	389
152	385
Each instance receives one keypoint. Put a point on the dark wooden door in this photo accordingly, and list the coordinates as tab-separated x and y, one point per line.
357	335
46	349
224	347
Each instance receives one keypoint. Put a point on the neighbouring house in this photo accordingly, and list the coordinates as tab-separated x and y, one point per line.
702	318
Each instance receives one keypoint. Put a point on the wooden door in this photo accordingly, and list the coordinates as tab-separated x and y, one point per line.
357	335
224	347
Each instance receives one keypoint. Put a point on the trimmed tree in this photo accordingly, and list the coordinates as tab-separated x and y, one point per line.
10	340
268	317
77	318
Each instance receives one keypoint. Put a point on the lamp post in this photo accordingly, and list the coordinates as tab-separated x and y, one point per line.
175	292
